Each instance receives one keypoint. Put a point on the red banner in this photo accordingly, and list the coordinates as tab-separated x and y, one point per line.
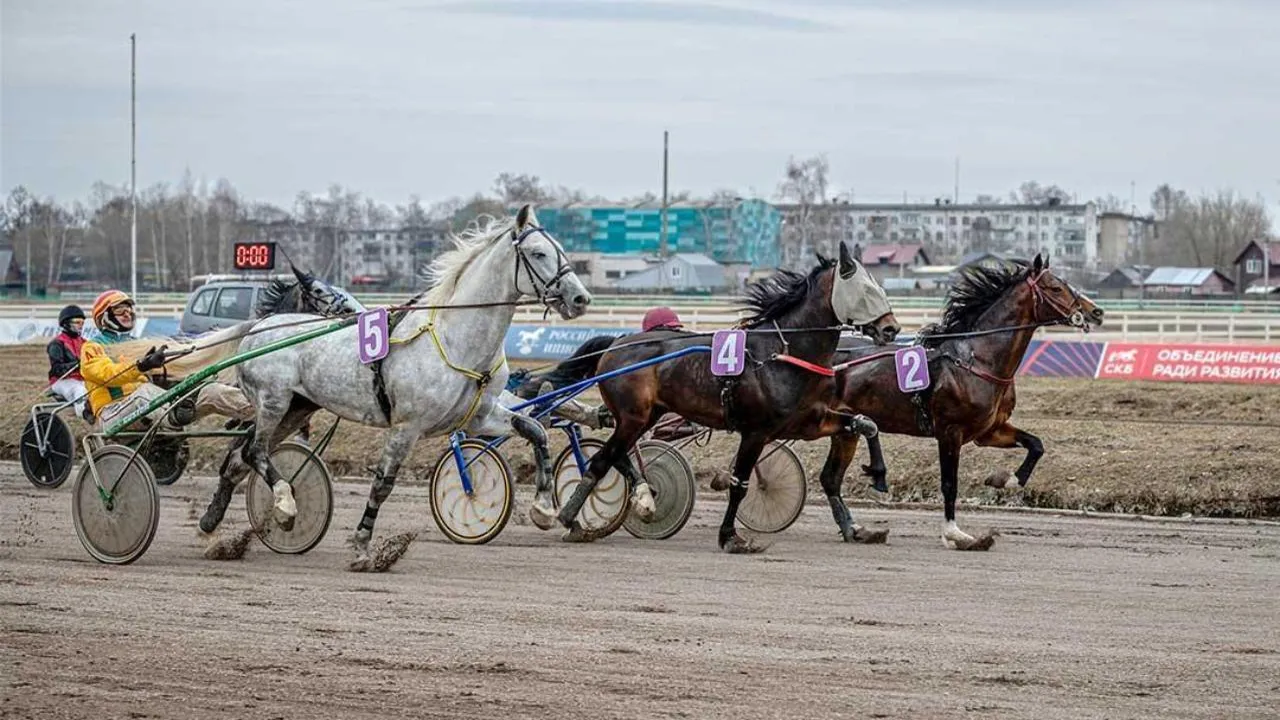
1191	362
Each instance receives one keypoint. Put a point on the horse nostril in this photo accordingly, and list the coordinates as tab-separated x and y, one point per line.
581	300
1097	312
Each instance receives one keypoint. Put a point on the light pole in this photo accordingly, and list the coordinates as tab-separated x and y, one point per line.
133	166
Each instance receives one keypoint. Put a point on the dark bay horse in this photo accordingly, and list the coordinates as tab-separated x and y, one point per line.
973	354
791	339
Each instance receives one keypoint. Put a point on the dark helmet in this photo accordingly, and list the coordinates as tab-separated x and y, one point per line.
69	313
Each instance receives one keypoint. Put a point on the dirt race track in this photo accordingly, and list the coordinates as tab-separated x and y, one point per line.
1066	617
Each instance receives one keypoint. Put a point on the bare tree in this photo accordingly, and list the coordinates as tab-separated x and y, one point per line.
1112	203
1033	193
809	225
1209	230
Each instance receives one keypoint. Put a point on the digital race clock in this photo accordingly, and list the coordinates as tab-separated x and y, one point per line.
255	256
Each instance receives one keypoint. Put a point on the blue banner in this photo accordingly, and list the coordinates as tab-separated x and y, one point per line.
544	342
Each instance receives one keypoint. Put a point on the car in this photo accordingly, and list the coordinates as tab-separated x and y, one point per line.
224	301
220	304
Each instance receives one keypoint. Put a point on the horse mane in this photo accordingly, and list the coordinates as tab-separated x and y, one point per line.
273	296
778	294
976	290
446	270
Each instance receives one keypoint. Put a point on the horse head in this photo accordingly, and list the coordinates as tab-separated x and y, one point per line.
1056	299
543	270
859	301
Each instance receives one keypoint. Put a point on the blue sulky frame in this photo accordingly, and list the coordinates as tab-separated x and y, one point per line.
553	400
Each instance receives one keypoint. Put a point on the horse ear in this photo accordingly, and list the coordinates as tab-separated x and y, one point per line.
847	265
524	216
302	276
1038	264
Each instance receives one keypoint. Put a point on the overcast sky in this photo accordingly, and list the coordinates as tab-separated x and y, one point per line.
396	97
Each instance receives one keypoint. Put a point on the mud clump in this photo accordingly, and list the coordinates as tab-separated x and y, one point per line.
231	547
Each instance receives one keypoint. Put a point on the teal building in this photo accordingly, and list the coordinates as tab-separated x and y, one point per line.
748	231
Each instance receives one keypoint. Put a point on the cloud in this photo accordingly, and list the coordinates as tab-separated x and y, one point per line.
679	13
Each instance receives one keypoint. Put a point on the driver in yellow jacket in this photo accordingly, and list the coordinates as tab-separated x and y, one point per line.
120	387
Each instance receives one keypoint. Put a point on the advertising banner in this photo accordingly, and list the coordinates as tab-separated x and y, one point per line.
1190	362
542	342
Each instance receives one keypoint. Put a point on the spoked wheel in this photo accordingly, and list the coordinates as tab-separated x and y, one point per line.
477	517
671	479
776	493
167	457
117	521
606	508
312	492
51	466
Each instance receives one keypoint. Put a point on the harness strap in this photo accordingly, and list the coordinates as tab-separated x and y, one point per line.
482	379
806	365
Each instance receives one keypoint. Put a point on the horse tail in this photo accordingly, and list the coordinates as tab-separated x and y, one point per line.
584	361
200	352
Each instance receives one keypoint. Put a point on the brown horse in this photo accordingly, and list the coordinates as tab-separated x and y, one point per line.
791	340
973	354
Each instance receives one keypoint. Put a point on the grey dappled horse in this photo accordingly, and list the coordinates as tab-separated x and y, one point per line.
445	371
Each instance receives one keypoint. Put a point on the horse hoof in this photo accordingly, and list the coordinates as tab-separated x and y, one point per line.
577	534
285	522
721	481
542	517
362	563
210	523
1000	479
738	545
642	503
869	536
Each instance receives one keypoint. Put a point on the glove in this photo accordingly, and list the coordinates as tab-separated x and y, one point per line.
152	360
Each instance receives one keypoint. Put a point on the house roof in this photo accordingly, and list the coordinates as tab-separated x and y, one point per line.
1273	251
892	253
1193	277
706	273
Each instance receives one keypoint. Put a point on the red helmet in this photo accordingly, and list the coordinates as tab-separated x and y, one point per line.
661	318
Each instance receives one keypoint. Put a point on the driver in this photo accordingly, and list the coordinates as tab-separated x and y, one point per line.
119	387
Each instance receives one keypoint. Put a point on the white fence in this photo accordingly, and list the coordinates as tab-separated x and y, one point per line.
1126	325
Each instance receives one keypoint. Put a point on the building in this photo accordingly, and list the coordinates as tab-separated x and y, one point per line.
681	272
1187	281
1250	264
895	260
14	278
382	257
744	232
1123	282
1067	233
598	270
1121	238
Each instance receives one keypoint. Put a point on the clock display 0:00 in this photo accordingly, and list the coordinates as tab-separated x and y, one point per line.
255	256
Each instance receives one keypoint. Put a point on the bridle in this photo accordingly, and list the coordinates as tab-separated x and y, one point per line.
1071	315
541	286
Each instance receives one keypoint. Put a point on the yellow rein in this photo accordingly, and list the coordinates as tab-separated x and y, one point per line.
482	379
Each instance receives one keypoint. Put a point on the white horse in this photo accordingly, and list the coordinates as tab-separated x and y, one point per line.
445	371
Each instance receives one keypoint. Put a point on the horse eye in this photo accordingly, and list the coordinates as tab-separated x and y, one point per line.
540	255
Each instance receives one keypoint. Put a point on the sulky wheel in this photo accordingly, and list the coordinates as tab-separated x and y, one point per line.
477	517
167	457
312	491
115	516
47	450
606	508
674	489
776	493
